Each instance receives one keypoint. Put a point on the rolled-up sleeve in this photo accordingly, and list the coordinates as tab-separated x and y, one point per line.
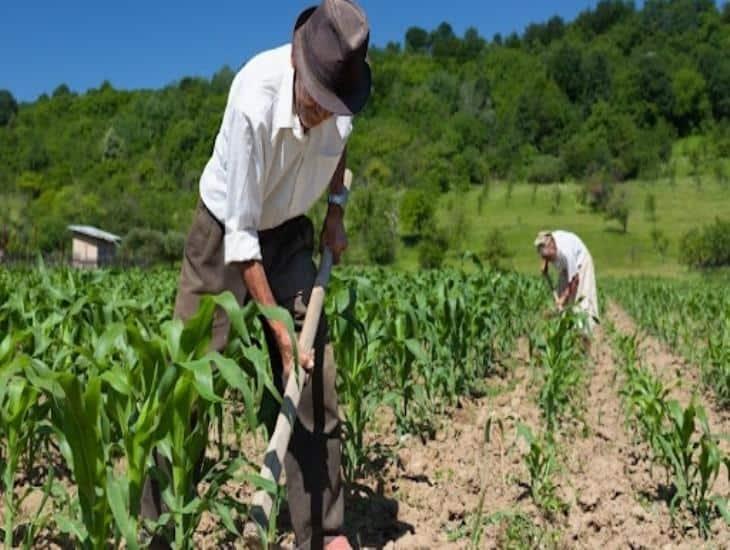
244	192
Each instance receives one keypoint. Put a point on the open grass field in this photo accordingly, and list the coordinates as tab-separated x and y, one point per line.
520	212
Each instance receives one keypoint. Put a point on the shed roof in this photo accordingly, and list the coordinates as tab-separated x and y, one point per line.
96	233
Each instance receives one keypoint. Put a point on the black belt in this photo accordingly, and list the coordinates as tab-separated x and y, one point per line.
299	227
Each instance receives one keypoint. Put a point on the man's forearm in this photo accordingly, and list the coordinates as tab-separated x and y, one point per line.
570	290
257	284
337	183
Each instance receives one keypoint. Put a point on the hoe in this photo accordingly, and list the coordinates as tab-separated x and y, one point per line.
262	503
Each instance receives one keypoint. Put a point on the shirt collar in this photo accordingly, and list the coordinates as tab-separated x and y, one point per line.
285	117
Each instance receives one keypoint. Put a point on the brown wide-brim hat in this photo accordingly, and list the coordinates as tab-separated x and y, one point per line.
330	50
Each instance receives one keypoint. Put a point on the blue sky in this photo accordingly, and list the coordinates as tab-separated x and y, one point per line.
147	44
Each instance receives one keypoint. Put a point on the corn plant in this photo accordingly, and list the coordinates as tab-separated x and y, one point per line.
356	350
717	373
18	399
560	369
691	318
695	462
92	364
680	438
542	465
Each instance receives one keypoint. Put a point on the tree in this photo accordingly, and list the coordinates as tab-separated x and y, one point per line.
61	91
554	30
707	247
513	41
618	209
432	250
416	211
444	42
542	114
597	83
472	44
655	86
373	222
650	207
715	68
418	40
691	104
496	250
180	142
540	35
458	227
660	242
8	107
720	172
112	146
606	14
545	169
555	199
149	247
565	68
392	47
36	155
222	80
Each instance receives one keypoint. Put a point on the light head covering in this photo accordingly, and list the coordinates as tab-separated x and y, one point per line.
542	239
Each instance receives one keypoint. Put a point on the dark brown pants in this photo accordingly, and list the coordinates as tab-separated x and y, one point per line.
312	463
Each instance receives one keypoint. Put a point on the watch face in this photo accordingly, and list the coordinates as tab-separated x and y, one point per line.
339	199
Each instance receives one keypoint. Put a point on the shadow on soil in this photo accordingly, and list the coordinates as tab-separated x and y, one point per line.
371	518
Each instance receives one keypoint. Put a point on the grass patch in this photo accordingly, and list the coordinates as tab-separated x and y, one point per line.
519	211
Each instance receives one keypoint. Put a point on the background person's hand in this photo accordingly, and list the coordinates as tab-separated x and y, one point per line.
544	267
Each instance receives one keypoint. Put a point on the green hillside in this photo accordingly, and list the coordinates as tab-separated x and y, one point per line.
603	99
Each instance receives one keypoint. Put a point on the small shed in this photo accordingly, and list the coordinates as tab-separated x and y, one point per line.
92	247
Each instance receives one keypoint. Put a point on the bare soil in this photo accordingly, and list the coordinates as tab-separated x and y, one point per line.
616	497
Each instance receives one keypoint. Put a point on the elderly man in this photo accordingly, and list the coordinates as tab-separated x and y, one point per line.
281	143
574	264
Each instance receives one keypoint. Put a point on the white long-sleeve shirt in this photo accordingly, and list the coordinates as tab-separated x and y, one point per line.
571	253
265	169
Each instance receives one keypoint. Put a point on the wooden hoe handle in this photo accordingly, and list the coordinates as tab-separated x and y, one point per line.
278	444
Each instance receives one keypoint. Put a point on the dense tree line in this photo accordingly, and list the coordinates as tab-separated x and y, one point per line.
604	96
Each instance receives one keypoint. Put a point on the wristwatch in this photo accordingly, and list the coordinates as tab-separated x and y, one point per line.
339	199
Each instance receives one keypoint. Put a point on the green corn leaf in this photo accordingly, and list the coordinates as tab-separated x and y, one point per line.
224	512
415	347
227	301
236	379
203	378
262	483
117	379
118	496
112	337
196	336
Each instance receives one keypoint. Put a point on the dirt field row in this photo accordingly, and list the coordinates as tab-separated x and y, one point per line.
427	495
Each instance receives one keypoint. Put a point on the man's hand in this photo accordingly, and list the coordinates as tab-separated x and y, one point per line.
573	287
568	293
257	284
333	235
286	349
